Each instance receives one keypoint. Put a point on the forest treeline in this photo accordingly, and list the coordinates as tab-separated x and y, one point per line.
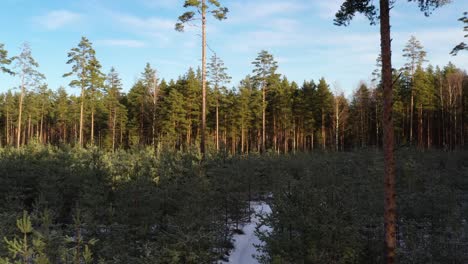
264	111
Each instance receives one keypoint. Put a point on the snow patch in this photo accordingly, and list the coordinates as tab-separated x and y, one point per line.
244	250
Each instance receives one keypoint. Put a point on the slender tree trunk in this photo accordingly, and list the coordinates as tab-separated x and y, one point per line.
217	127
294	137
29	128
203	127
113	129
155	100
92	126
411	112
377	127
41	131
263	116
7	127
312	139
275	139
337	125
80	140
20	112
428	118
323	130
389	163
420	127
442	112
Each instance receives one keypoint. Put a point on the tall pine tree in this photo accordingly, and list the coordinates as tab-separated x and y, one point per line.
202	8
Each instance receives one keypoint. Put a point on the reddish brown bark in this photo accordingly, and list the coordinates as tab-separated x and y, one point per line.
388	137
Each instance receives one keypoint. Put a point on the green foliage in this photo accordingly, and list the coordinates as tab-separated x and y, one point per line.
219	12
334	215
462	45
80	58
4	60
147	206
28	248
265	68
369	9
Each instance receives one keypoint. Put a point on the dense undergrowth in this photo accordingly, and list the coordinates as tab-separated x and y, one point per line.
142	206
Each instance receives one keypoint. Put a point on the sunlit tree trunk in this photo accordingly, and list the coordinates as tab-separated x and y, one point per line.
389	163
203	127
20	112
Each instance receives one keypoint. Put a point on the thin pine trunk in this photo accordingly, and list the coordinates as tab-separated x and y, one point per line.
18	136
323	130
203	127
80	140
263	116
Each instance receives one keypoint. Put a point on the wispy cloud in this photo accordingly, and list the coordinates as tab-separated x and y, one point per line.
159	29
148	24
256	10
57	19
168	4
327	9
128	43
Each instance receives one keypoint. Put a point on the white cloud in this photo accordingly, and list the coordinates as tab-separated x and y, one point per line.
129	43
147	24
156	28
169	4
327	8
57	19
256	10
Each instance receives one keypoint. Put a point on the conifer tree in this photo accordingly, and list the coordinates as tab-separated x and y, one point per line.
462	45
343	17
415	55
4	60
265	69
96	85
114	87
29	248
62	112
81	58
424	97
137	106
26	69
245	111
45	107
150	81
218	77
202	7
324	107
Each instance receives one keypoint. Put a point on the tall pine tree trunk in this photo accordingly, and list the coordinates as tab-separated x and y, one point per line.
81	116
217	127
323	130
155	100
20	112
337	125
263	116
388	135
411	114
114	122
41	132
203	127
7	127
29	128
92	126
420	127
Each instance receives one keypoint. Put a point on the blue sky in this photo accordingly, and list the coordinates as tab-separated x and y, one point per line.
299	33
